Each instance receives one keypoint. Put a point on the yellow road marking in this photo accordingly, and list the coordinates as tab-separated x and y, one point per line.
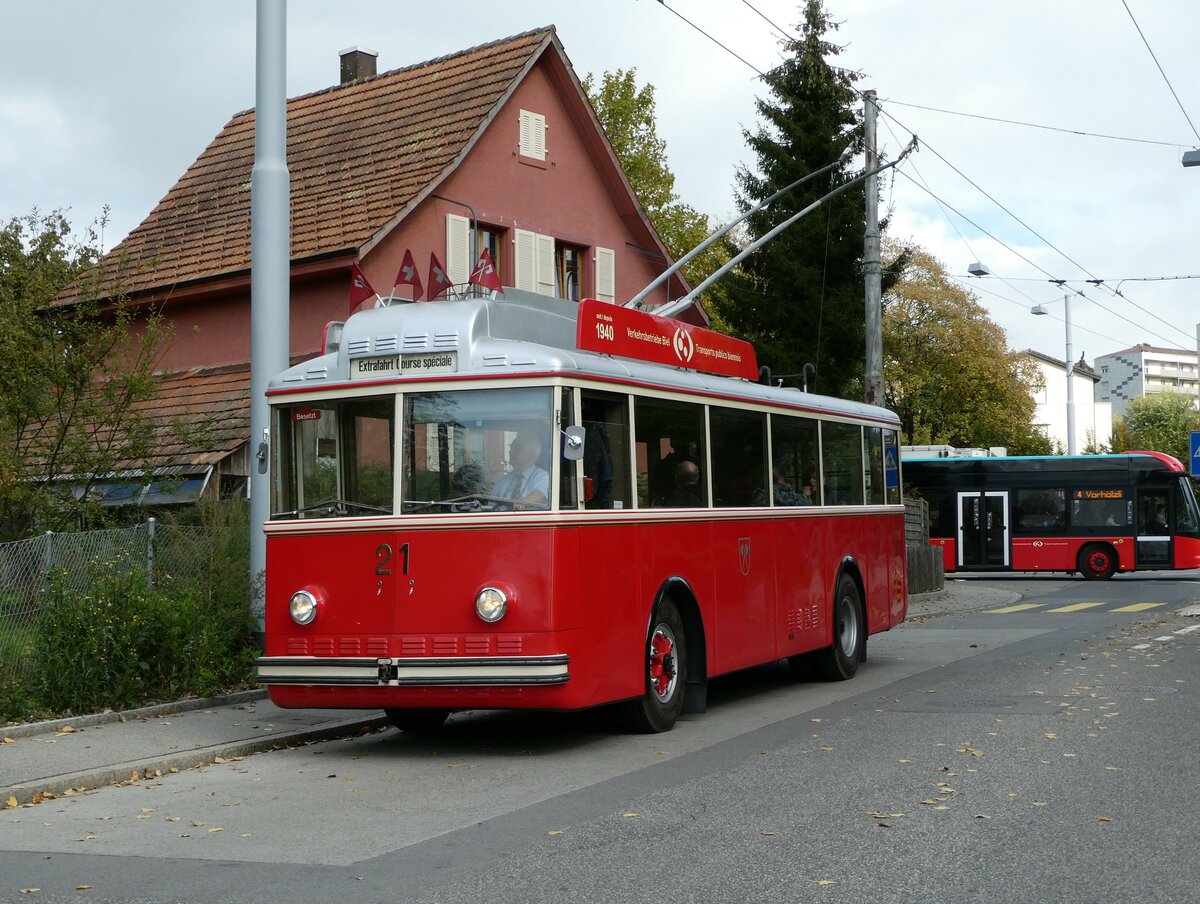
1139	607
1020	607
1077	607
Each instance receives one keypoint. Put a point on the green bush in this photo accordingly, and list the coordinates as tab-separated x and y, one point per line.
94	649
128	641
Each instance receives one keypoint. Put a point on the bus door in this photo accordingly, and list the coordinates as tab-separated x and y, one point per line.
983	530
1153	548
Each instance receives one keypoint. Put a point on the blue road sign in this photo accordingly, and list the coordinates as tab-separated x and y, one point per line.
891	470
1194	453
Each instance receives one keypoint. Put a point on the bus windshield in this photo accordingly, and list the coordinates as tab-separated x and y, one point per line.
334	459
477	450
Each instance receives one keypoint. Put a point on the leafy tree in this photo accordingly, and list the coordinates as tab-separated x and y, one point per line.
1159	423
627	114
948	372
799	298
71	379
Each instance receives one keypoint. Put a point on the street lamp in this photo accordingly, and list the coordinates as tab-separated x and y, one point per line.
1040	309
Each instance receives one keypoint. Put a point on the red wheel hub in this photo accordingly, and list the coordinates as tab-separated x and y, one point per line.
1098	561
662	663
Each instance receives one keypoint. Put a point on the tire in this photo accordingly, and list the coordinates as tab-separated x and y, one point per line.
839	662
665	663
418	721
1097	561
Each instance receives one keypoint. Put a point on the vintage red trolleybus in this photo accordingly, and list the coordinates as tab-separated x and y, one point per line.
489	504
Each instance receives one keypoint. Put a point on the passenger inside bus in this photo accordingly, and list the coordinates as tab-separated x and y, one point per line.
687	486
784	492
527	483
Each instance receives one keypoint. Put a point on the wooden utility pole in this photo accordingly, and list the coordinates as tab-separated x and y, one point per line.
872	268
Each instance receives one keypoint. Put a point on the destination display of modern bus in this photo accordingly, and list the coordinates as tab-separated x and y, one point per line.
1095	515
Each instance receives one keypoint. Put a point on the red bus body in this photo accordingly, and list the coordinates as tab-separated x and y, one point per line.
396	625
1094	514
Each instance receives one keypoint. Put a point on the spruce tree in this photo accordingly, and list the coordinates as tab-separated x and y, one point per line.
799	298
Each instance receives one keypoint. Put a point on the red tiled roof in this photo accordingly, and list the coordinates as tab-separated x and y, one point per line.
200	416
357	155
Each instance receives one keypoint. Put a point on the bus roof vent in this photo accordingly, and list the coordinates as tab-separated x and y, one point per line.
416	342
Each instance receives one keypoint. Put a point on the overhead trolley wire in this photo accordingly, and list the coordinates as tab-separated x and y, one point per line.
1036	125
1036	266
1161	71
1099	283
783	33
663	4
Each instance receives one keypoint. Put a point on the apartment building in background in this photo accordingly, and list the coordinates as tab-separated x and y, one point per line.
1145	370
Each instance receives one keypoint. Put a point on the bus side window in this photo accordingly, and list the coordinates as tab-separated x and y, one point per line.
739	457
842	448
670	454
607	481
796	461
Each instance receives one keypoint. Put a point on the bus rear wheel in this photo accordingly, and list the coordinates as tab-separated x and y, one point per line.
665	663
839	662
1097	561
417	720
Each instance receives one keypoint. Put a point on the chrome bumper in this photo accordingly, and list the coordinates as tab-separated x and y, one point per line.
463	671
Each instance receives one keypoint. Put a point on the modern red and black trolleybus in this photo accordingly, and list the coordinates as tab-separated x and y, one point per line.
489	504
1092	514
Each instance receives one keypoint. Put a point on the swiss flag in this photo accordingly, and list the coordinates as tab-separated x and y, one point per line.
439	282
408	275
360	288
485	274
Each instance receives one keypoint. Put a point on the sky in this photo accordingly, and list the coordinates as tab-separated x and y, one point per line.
107	104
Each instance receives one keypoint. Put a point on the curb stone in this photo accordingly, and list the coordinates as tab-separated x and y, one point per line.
115	773
28	729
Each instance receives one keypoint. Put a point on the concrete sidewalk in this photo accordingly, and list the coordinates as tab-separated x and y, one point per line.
67	756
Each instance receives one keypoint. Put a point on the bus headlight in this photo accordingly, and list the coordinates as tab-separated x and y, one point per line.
303	607
491	603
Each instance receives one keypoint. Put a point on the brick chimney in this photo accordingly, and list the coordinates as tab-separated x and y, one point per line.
357	62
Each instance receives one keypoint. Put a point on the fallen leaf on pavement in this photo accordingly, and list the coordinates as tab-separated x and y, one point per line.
1104	819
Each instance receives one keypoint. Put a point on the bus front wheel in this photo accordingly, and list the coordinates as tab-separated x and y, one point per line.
1097	561
417	720
665	664
840	661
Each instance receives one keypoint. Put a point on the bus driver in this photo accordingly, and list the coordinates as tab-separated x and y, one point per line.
526	483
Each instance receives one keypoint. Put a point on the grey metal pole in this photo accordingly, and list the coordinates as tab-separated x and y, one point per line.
872	268
1070	379
270	208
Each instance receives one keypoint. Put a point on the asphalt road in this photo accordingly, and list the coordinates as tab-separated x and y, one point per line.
1018	741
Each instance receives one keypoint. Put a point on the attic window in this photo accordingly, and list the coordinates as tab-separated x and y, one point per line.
533	135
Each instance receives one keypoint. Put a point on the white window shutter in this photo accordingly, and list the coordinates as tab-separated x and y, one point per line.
524	260
533	135
545	265
458	241
606	274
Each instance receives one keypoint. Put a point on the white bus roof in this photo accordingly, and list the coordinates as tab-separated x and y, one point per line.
514	334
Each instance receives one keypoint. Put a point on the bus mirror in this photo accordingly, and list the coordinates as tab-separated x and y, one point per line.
573	447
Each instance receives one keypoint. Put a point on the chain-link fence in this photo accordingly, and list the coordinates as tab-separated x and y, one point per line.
167	553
